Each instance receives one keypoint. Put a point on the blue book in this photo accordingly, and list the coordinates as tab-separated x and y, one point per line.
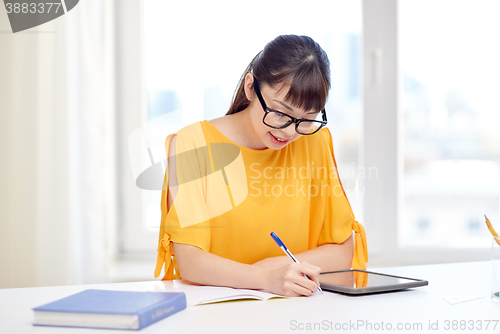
110	309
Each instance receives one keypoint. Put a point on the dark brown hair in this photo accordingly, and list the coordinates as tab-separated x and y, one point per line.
295	60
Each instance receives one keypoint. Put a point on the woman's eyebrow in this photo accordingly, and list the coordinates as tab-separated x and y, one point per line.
284	104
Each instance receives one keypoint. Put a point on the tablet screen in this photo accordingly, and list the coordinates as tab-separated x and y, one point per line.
360	282
358	279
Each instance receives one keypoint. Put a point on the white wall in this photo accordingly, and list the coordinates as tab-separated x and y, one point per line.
56	148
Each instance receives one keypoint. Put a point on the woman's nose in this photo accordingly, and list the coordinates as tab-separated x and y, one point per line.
289	131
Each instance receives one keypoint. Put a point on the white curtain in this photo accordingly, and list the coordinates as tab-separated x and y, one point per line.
57	149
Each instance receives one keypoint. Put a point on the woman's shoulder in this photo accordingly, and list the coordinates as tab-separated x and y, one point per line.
221	123
198	132
186	138
191	129
227	128
210	129
197	135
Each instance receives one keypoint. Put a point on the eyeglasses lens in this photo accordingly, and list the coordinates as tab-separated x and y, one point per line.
276	119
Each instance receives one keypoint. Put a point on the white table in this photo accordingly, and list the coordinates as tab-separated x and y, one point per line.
414	309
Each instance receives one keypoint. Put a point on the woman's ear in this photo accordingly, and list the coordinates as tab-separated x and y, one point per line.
248	87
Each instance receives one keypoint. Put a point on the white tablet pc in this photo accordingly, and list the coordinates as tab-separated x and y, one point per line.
361	282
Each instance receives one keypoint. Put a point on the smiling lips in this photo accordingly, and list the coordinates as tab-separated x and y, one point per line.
277	140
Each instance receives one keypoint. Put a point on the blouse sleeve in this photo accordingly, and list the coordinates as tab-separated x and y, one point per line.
187	221
339	218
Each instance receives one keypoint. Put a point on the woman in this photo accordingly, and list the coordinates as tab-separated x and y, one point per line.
268	165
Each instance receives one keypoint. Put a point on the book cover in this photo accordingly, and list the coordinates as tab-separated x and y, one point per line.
110	309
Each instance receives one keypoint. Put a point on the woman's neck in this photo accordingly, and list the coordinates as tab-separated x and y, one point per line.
238	128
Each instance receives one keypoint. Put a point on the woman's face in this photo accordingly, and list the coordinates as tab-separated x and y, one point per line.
274	97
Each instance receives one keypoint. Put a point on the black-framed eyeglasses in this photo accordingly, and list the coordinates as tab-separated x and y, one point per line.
278	120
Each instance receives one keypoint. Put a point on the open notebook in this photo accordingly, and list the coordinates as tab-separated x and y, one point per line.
199	295
202	294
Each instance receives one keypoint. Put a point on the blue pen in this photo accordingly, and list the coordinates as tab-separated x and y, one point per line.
287	252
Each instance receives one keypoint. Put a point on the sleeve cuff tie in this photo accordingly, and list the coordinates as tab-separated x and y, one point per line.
360	256
166	256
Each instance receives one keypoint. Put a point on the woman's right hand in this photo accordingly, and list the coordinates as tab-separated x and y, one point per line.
289	280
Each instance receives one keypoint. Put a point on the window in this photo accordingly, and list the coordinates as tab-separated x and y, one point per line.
449	76
423	62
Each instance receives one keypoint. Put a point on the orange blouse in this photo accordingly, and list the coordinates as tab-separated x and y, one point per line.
230	198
